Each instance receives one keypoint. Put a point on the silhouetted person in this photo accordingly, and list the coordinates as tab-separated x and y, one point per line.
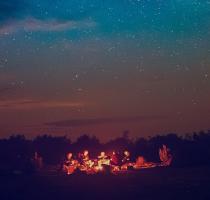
114	159
126	158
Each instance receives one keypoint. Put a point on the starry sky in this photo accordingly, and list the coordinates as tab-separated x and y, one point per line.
102	67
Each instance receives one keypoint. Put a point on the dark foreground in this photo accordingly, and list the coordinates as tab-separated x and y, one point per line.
160	183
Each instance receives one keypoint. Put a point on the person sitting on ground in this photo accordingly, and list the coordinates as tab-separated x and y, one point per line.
70	164
114	159
103	159
125	160
85	156
87	163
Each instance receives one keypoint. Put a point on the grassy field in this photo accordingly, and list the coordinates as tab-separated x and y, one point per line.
159	183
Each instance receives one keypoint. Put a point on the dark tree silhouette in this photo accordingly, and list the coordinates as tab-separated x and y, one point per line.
190	150
52	149
86	142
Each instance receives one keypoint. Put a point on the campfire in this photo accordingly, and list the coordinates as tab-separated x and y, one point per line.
113	163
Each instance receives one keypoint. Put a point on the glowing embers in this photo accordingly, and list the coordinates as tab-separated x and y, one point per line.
114	163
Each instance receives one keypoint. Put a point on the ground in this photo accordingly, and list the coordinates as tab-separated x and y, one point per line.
158	183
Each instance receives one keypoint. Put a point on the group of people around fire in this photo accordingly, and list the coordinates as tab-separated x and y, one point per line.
115	162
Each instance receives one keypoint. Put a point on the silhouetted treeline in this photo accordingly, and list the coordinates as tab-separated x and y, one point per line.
189	150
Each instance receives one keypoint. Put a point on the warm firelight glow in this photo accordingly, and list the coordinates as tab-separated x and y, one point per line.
86	152
112	164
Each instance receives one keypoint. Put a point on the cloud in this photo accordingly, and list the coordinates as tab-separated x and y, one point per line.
53	25
36	104
96	121
40	15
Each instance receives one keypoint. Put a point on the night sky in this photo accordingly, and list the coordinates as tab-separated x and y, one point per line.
104	66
